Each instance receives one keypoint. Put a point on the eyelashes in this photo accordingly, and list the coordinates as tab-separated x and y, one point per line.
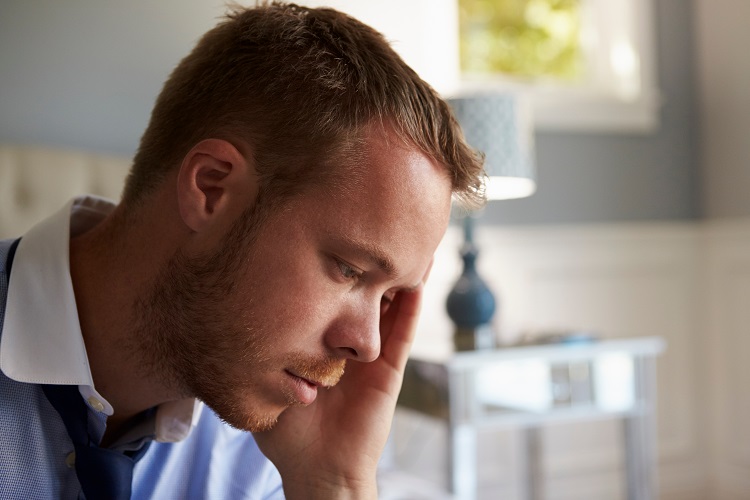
348	272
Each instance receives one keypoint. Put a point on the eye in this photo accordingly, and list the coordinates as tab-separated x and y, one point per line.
347	271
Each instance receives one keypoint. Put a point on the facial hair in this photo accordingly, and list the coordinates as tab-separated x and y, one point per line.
196	337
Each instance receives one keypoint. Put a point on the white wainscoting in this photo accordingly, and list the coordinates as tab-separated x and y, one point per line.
686	282
727	344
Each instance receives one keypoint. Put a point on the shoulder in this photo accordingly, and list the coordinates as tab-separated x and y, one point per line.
215	460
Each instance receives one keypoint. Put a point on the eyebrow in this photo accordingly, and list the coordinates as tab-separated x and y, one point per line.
374	254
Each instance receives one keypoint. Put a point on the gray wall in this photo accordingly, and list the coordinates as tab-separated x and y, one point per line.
602	177
83	74
723	38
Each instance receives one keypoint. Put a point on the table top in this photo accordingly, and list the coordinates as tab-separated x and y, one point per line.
637	346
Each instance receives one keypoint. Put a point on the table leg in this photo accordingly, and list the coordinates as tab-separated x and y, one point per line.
534	472
640	436
462	467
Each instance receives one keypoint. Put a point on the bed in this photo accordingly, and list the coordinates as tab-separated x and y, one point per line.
36	181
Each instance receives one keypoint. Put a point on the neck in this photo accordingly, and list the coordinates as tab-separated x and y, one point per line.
111	265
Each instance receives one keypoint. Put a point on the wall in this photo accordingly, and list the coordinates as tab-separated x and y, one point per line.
84	74
724	79
686	282
598	177
616	281
723	74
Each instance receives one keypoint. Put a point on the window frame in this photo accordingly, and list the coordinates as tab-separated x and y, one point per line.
426	34
605	101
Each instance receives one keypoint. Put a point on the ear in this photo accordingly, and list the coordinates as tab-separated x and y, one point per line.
215	181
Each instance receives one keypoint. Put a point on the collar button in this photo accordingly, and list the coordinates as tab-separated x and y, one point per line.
96	404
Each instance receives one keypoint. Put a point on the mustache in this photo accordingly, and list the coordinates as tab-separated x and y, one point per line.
324	371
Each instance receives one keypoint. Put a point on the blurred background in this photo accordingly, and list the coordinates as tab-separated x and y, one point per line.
640	225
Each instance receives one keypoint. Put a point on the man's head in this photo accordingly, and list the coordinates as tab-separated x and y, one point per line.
313	173
294	87
287	297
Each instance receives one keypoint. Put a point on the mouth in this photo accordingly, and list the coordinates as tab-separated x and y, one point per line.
304	390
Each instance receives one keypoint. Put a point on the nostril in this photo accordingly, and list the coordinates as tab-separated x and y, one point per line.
355	334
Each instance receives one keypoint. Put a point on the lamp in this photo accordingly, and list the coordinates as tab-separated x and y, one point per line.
499	126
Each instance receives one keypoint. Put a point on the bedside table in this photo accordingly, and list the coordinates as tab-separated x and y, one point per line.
526	387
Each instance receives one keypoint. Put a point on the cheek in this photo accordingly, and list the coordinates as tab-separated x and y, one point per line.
290	290
295	309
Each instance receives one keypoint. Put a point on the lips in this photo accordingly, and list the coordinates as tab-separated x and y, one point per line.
306	374
305	391
309	381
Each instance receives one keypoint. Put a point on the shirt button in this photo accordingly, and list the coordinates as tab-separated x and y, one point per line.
96	404
70	460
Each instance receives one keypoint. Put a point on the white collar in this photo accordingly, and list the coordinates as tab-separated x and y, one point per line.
42	341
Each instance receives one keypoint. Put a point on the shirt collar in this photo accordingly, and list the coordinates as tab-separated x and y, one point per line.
41	341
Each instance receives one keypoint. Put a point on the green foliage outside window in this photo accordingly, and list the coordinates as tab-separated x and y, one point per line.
523	38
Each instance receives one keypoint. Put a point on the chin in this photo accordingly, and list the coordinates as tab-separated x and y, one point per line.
245	407
249	421
246	417
254	424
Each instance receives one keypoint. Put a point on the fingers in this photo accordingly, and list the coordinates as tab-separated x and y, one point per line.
399	327
399	324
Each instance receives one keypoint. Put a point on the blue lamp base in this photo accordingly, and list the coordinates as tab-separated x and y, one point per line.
471	304
474	339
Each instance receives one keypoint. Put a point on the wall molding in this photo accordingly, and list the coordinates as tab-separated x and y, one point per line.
688	282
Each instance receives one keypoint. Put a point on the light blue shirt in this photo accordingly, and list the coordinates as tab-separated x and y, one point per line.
194	456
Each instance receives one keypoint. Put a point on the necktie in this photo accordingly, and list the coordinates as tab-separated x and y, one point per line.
103	473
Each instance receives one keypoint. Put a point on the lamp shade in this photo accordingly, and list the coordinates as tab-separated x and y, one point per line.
500	126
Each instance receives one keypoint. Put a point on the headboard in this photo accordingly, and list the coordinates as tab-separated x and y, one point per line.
36	181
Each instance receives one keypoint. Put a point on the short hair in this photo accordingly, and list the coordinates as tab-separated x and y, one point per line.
298	85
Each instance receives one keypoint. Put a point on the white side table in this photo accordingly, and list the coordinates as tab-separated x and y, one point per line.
526	387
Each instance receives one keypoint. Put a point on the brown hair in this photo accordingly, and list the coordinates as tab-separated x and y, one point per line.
297	85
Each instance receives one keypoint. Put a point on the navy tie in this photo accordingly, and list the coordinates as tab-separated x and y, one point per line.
102	472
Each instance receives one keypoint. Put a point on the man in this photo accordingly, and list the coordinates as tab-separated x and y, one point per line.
267	260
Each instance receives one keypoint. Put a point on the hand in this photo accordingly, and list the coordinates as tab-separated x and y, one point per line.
331	448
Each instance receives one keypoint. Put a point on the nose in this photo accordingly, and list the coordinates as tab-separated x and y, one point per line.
356	332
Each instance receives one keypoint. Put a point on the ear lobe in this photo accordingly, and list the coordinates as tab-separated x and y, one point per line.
214	177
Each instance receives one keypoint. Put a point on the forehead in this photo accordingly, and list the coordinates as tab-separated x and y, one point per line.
388	196
396	197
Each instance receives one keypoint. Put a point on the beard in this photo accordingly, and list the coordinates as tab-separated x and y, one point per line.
198	338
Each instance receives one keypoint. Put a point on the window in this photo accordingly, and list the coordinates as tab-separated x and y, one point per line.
585	64
524	39
600	55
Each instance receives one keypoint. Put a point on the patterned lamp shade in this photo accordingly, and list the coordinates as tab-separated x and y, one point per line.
500	126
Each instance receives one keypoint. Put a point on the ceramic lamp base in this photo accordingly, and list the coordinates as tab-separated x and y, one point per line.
474	338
